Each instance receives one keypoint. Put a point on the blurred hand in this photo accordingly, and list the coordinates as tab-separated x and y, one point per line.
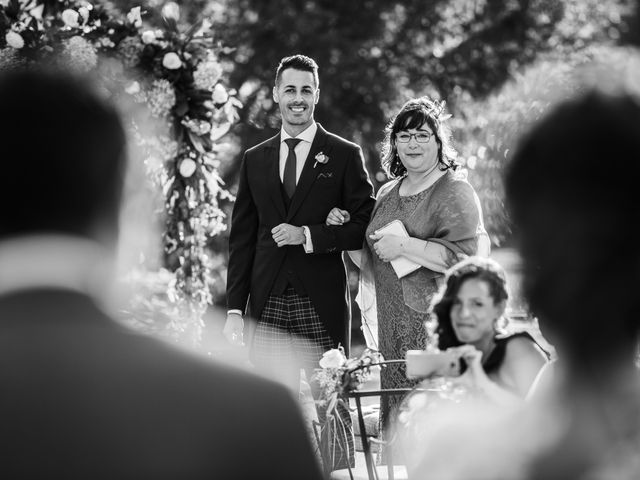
285	234
474	377
233	329
337	217
388	247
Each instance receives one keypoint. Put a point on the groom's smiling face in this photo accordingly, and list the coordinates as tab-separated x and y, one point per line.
296	94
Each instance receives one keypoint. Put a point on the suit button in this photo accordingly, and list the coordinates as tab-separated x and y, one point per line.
289	272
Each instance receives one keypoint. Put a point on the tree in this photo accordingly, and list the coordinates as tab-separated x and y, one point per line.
375	54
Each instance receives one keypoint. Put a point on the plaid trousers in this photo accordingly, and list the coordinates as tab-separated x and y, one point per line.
289	336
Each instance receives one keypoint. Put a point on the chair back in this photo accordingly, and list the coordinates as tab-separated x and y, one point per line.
373	472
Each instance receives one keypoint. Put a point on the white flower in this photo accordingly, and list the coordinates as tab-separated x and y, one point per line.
134	17
148	36
171	11
219	95
70	18
133	88
4	3
171	61
187	167
14	40
207	74
161	98
320	158
84	13
106	42
333	358
80	54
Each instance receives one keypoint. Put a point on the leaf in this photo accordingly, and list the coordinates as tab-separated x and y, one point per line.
192	31
219	131
196	141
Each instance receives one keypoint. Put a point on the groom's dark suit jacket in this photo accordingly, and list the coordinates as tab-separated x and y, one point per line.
256	264
82	397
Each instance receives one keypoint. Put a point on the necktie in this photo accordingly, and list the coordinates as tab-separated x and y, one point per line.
289	177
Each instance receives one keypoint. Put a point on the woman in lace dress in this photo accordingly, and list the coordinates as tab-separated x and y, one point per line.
442	216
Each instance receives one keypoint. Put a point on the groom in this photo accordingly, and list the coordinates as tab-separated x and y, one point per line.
285	265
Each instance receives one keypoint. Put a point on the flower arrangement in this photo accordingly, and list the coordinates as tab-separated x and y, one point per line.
337	377
173	71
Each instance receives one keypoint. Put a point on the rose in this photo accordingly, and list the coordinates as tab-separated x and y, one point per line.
187	167
134	17
320	158
148	36
70	18
171	11
84	13
219	94
171	61
14	40
333	358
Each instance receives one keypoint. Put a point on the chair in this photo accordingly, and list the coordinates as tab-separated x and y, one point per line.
372	472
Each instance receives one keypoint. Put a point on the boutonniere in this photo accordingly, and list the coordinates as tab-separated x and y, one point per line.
320	158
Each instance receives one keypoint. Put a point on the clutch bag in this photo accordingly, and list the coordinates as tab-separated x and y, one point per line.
401	265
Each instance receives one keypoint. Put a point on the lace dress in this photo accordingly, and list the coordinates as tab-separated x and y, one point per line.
447	213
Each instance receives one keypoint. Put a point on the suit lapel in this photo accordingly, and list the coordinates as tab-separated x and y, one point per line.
309	173
272	154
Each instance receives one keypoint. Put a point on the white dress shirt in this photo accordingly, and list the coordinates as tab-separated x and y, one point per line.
301	150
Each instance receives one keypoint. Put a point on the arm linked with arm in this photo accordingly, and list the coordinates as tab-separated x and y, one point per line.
358	200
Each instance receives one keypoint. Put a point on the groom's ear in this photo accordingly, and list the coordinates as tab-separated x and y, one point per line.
275	94
317	96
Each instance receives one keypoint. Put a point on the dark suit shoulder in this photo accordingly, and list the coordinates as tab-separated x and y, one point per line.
270	142
336	140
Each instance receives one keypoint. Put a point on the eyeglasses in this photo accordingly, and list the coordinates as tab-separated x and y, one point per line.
421	137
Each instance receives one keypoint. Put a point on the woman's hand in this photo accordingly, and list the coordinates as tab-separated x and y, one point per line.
337	217
388	247
474	377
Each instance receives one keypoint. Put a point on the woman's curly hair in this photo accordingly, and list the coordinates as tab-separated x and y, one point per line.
480	268
414	114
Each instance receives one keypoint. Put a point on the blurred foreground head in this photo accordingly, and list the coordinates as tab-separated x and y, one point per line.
63	151
573	192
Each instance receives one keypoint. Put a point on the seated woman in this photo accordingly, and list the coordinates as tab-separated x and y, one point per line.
469	321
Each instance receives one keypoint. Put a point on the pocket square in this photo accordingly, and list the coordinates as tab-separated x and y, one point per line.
325	175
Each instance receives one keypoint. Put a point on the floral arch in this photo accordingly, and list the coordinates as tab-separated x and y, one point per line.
173	72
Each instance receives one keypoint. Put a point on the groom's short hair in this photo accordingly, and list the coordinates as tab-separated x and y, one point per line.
298	62
63	155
